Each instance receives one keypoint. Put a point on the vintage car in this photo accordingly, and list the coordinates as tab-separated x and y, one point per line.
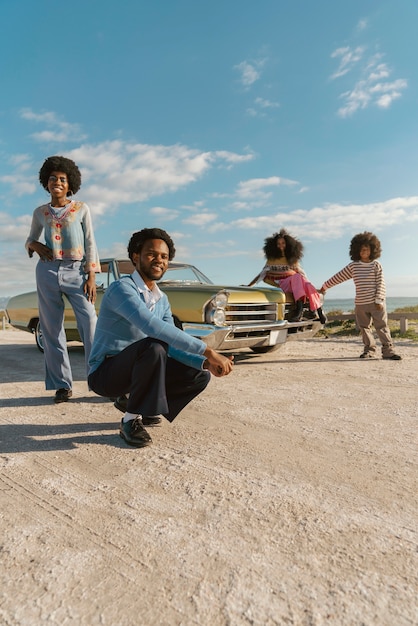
226	318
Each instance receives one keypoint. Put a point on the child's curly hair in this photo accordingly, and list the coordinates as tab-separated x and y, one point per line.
138	239
61	164
365	239
294	247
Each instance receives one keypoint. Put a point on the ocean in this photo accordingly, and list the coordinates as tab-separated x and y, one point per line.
346	305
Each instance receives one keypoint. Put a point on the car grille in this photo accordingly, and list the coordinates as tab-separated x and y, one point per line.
251	313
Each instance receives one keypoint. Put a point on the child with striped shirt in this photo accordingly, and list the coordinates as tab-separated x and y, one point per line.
370	298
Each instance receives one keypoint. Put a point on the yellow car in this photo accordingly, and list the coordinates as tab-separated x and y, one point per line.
226	318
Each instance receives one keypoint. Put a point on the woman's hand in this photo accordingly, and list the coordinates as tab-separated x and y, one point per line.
41	249
90	287
218	364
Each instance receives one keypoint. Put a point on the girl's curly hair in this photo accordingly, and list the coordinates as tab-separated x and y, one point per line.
365	239
294	247
138	239
61	164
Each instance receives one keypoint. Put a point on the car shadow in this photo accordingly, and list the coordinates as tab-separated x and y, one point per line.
243	358
16	438
25	363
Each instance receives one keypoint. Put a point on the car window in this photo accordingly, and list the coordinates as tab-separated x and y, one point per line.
106	276
184	274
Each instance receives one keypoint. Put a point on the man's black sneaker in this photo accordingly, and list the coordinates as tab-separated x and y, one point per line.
134	433
393	357
62	395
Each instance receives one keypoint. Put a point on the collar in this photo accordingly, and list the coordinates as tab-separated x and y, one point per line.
151	296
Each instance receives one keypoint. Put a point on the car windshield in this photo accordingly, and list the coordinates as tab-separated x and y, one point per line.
185	274
177	273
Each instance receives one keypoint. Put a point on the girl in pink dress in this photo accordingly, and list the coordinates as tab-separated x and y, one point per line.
282	269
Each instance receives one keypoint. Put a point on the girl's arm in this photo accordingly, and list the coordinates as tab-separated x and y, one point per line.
90	287
341	276
32	244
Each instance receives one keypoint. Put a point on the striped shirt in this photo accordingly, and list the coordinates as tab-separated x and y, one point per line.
368	280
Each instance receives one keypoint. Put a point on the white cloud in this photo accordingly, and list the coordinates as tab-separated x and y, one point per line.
261	105
366	93
19	186
249	72
373	86
164	213
22	181
200	219
339	218
266	104
233	157
57	131
255	186
117	172
348	59
122	173
362	25
14	229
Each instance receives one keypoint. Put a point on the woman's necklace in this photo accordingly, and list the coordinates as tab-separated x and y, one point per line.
60	213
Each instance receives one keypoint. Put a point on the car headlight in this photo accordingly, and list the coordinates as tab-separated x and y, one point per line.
215	311
219	317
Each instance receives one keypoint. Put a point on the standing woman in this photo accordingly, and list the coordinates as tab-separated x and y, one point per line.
282	269
68	261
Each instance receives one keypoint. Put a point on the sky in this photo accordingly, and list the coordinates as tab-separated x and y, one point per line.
220	122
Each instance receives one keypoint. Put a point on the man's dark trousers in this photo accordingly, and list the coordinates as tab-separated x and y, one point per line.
156	383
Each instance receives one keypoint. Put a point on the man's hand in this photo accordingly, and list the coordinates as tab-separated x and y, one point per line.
218	364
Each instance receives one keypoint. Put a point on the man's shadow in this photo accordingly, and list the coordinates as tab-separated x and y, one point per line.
16	438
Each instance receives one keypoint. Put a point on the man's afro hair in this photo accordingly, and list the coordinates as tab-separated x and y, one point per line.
138	239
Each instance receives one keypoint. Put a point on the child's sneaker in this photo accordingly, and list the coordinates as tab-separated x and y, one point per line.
367	355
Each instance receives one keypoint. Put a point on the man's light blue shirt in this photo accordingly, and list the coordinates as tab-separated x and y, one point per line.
125	318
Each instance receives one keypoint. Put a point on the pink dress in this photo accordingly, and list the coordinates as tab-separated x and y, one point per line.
290	280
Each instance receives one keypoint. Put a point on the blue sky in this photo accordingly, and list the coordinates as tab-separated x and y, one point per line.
219	121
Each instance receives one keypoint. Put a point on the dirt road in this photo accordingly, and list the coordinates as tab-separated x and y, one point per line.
285	494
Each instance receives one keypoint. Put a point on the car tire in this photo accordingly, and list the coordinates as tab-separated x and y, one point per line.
264	349
39	337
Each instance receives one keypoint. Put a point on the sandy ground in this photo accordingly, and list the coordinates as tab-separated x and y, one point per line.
284	494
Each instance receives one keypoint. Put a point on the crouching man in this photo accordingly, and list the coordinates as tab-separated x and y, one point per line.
137	349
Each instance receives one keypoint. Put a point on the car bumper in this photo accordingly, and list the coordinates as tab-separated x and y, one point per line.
302	330
236	337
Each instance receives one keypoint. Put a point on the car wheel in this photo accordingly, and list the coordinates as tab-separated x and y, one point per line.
39	337
264	349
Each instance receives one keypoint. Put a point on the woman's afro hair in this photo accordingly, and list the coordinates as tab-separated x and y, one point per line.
138	239
294	247
61	164
365	239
